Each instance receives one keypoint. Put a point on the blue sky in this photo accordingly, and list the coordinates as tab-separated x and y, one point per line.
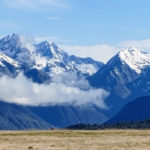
77	25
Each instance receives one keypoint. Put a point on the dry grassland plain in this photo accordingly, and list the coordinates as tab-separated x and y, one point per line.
75	140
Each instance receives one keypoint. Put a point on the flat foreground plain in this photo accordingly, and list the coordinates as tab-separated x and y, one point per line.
75	140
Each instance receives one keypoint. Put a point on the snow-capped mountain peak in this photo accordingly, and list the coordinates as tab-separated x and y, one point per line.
51	56
45	56
44	49
14	37
135	59
17	48
48	49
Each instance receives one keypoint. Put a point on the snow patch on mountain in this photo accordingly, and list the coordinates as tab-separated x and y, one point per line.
87	68
136	59
7	59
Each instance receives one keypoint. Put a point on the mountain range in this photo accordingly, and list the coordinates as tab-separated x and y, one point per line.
45	56
125	77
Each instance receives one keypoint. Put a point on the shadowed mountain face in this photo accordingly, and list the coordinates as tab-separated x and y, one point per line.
62	116
136	110
134	115
16	117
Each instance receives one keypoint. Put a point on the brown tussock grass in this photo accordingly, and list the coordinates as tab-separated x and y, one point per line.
75	140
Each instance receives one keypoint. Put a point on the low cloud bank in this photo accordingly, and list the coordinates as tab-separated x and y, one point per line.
104	52
65	89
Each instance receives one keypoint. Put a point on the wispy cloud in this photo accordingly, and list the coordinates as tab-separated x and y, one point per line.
135	29
46	38
52	18
34	4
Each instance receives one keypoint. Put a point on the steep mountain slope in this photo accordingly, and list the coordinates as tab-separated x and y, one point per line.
86	65
15	117
141	84
118	72
137	110
62	116
8	66
120	75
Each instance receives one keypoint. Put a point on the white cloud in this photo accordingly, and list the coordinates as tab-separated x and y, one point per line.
60	91
27	42
97	52
140	44
34	4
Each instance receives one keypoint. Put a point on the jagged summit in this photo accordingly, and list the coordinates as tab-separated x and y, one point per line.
136	59
129	52
14	36
132	57
49	50
15	47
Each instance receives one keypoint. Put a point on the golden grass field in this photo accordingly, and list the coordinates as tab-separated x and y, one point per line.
75	140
